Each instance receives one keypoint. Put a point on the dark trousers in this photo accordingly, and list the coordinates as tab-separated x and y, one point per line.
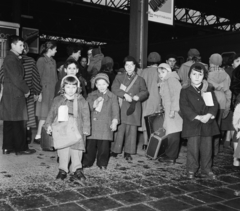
199	146
96	148
173	145
14	136
126	136
216	139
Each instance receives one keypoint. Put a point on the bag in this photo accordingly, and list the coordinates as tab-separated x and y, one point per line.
46	141
154	122
156	146
65	134
120	100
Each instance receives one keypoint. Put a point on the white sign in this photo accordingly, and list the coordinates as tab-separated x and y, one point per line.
161	11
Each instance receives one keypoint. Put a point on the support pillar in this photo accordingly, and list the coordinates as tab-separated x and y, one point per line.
16	11
138	38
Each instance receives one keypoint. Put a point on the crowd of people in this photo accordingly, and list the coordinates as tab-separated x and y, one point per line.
92	112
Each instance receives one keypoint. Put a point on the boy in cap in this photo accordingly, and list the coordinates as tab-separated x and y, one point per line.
104	118
221	82
131	90
152	104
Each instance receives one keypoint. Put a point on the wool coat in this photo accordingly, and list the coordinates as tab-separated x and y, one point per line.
191	105
139	88
170	89
13	104
48	74
83	119
152	104
32	79
221	83
101	121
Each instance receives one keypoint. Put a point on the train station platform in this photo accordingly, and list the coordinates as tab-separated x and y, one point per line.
27	182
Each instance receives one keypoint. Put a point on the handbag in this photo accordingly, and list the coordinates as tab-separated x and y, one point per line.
66	133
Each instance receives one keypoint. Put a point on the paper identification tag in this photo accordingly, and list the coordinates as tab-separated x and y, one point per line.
123	87
207	97
63	113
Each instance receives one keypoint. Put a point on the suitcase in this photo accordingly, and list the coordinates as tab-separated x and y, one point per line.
156	146
46	141
154	122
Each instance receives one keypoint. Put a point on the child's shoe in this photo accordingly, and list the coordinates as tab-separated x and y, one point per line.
61	174
209	175
103	167
78	174
236	162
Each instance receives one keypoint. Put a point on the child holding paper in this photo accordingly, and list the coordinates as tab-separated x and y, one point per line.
199	106
70	107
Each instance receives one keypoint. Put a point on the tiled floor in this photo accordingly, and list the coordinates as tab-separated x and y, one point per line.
28	183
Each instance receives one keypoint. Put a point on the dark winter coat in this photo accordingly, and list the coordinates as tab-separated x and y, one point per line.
101	121
191	105
13	104
139	88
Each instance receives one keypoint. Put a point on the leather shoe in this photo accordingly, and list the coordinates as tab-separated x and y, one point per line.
127	156
167	159
26	152
86	166
113	154
103	167
37	141
6	151
78	174
61	174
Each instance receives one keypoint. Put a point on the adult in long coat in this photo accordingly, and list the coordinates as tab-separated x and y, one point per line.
131	109
32	78
46	66
13	104
152	104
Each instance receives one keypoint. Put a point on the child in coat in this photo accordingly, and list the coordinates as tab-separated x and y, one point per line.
199	107
79	110
131	91
104	117
170	88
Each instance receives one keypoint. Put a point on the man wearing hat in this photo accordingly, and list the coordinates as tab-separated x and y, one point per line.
221	82
152	104
193	56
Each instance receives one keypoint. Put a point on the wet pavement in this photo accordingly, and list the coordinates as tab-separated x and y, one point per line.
28	183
